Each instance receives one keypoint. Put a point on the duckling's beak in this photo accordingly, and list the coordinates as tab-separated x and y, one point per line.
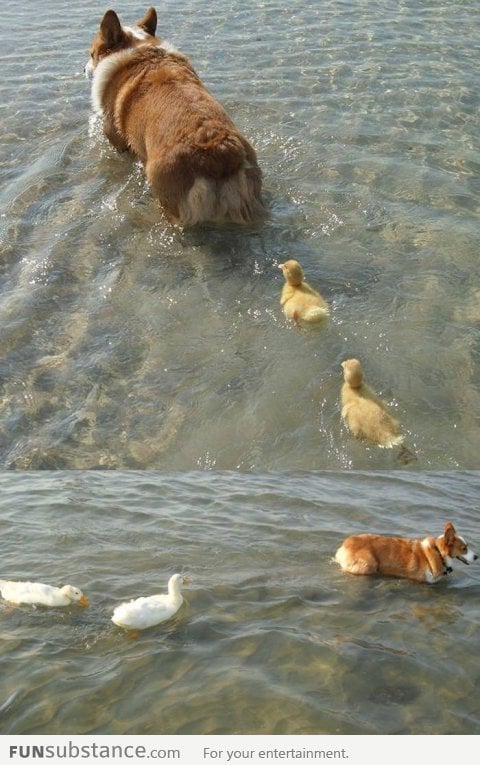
186	580
84	601
281	266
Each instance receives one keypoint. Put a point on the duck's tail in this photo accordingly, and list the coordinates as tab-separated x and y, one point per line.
317	313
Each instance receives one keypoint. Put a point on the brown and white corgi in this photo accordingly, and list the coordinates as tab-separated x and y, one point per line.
300	302
423	560
200	167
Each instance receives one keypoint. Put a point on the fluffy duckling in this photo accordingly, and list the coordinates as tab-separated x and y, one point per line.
40	594
300	301
365	413
147	612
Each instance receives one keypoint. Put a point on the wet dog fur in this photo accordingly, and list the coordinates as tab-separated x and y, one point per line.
152	102
423	560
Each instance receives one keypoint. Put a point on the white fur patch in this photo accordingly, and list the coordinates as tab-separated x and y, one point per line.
138	33
102	74
233	201
89	69
342	557
470	556
167	46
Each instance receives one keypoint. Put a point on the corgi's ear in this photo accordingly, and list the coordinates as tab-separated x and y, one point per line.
149	22
111	30
449	533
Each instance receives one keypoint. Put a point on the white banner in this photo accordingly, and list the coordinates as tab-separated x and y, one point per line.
221	750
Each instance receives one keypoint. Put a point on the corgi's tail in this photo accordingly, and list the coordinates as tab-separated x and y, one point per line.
233	200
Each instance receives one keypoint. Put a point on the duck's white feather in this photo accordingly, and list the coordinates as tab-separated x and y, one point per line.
144	612
38	593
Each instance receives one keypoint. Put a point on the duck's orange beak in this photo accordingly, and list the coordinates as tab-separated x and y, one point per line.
84	601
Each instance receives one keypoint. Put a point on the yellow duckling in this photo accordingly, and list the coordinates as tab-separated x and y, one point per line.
365	413
146	612
37	593
300	301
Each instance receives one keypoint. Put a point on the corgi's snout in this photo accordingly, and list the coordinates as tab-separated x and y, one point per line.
468	558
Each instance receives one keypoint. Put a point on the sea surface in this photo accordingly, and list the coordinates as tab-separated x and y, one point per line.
272	637
159	414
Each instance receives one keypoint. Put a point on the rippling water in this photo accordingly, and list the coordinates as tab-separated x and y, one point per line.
127	343
273	636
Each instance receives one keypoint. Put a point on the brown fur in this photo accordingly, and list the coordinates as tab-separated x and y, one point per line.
423	560
200	167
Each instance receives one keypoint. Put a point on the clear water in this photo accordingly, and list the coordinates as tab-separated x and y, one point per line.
131	345
127	343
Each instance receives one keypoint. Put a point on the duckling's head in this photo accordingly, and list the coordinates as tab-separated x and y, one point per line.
292	272
74	595
352	372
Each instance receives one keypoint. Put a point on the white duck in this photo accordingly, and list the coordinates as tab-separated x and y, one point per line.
147	612
37	593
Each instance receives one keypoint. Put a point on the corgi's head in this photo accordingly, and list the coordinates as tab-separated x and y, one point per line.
292	272
113	38
352	372
452	546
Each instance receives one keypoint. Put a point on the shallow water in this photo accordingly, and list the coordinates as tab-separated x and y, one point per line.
128	343
272	637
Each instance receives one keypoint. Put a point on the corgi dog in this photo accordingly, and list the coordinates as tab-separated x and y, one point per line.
300	302
200	167
423	560
366	415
